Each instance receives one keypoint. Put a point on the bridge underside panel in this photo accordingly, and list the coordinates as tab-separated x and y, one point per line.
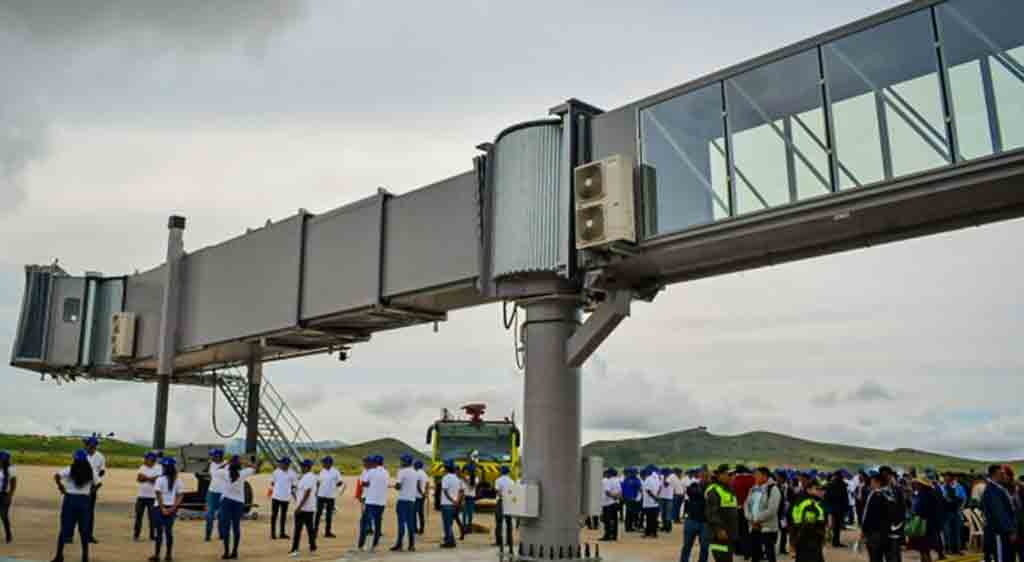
970	195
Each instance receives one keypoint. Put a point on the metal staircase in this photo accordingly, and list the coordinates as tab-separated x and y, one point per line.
281	434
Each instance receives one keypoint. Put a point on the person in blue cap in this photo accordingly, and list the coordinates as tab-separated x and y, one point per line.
375	499
502	485
282	481
75	484
451	497
145	499
666	493
305	507
421	497
8	485
631	490
99	469
649	500
215	491
469	480
408	487
232	503
170	491
330	484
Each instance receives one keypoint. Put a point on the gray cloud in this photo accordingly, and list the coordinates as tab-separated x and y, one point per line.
867	391
23	140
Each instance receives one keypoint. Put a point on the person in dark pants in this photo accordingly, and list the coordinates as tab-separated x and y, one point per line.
651	506
502	522
997	506
8	485
631	495
611	492
330	484
762	511
145	499
408	488
75	484
897	514
451	497
808	534
305	507
837	501
169	492
874	519
694	526
282	481
421	498
722	513
99	469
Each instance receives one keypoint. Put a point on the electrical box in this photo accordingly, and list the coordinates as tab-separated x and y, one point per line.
122	336
605	202
522	499
592	490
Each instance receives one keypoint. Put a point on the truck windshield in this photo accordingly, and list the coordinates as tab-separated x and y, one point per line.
489	448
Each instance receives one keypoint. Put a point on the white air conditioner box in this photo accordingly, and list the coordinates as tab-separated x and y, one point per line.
122	336
605	202
522	499
592	491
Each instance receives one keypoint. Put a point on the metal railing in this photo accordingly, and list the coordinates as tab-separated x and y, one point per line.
280	433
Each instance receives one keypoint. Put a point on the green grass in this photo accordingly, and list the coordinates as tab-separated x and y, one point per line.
56	451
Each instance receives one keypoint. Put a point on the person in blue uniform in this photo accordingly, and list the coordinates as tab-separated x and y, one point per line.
76	485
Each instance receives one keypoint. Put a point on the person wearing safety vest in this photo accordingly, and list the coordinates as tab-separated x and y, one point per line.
721	508
808	533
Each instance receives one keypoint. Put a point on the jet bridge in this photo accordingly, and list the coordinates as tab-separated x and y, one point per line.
904	124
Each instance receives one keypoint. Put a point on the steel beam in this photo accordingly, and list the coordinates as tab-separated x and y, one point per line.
585	340
254	373
168	327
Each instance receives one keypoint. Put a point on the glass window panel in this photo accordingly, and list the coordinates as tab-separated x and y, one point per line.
72	308
982	45
778	134
887	102
684	168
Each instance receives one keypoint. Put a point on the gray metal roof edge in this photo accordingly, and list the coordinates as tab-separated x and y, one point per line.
783	52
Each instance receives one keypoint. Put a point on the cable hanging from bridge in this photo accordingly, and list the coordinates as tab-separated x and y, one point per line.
213	413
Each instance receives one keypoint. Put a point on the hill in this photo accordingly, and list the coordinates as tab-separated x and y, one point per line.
698	446
47	450
349	459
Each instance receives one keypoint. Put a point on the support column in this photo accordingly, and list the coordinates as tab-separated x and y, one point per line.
168	328
551	408
254	371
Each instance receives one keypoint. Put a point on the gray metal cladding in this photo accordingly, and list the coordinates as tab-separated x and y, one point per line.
144	296
531	215
65	325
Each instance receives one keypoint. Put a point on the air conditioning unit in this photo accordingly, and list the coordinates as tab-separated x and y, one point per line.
605	202
122	336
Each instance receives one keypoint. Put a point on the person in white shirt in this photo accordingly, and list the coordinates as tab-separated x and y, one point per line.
215	491
469	479
423	492
375	497
451	496
649	493
408	486
678	495
330	485
305	493
145	498
282	482
75	484
99	468
8	485
666	495
502	485
232	503
611	494
169	492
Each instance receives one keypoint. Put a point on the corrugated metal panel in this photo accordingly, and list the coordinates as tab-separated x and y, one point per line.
530	213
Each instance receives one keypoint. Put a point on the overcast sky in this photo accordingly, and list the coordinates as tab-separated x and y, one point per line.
117	113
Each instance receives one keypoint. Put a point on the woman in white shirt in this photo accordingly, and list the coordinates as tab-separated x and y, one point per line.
330	484
8	484
75	484
282	482
469	507
169	492
232	504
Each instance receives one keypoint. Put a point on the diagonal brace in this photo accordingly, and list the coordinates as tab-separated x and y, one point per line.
588	337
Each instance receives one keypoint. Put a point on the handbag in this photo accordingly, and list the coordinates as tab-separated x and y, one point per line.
916	527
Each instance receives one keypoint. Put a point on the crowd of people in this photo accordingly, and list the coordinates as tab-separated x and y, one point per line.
758	514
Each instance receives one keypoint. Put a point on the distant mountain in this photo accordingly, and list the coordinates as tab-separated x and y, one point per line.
698	446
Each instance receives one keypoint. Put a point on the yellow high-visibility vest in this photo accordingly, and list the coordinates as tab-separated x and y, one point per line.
803	515
727	498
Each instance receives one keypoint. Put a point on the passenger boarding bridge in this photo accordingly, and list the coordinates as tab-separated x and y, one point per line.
904	124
